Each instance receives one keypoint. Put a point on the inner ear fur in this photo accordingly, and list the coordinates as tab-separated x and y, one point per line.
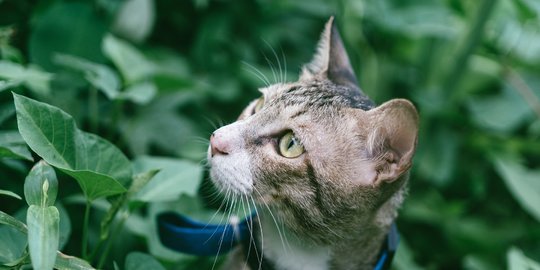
391	132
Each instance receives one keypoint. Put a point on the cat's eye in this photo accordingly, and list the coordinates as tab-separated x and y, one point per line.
258	105
290	146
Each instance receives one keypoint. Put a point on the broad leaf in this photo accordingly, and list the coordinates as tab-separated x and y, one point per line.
13	222
140	93
41	185
176	177
12	145
10	193
100	76
5	85
32	77
43	235
524	184
518	261
65	226
141	261
99	167
13	243
132	64
135	19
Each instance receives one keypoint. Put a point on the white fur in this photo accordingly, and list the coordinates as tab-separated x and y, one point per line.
292	253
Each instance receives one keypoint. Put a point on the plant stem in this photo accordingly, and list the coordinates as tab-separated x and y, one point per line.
85	229
471	42
94	109
108	246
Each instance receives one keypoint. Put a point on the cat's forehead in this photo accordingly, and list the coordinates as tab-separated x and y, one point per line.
316	94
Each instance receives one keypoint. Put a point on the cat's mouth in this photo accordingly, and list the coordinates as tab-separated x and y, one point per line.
231	173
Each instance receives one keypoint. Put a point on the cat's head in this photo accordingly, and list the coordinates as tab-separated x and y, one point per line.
318	151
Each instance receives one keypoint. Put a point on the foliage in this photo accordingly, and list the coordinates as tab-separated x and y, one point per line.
117	94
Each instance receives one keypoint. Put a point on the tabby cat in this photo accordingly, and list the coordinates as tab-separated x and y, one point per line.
326	167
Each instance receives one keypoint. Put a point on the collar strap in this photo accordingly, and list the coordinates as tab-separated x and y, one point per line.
185	235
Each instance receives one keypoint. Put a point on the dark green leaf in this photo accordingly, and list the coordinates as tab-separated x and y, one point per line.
99	167
142	261
43	235
12	145
41	185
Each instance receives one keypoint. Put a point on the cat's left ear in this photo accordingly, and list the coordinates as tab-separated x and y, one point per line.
331	60
391	133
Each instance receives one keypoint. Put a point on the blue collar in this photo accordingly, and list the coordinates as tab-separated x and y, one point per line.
185	235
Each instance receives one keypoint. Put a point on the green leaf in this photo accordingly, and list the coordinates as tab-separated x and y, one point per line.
13	222
66	262
65	226
12	145
135	19
518	261
10	193
140	93
524	184
132	64
100	76
41	185
99	167
141	261
176	177
32	77
5	85
43	235
13	243
74	28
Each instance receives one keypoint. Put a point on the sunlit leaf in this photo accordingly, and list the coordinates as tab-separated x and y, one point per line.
66	262
12	145
140	93
518	261
31	76
13	241
523	183
141	261
99	167
41	185
132	64
43	235
175	177
10	193
135	19
64	226
13	222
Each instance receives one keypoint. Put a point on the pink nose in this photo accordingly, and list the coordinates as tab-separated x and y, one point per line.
218	145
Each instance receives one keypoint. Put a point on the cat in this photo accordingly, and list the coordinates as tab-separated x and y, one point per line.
326	167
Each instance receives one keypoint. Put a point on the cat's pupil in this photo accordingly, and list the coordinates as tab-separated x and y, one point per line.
291	143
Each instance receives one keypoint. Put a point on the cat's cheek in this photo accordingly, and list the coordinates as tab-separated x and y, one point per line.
232	173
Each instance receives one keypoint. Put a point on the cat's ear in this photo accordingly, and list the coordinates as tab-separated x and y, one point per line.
391	132
331	60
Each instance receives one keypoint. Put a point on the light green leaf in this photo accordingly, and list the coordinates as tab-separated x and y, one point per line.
140	93
141	261
135	19
524	184
100	76
13	222
65	225
43	235
518	261
66	262
175	177
99	167
41	185
31	76
12	145
13	243
5	85
404	258
10	193
132	64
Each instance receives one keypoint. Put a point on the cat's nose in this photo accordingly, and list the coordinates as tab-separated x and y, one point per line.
218	145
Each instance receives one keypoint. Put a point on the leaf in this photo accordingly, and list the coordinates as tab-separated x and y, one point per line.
5	85
135	19
404	258
10	193
32	77
132	64
43	235
98	166
141	261
64	225
176	177
518	261
74	28
66	262
12	145
13	222
100	76
140	93
524	184
13	243
41	185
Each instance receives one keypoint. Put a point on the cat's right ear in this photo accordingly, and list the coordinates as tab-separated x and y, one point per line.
391	133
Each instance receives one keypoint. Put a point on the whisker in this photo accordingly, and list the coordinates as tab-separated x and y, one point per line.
277	59
284	63
262	235
274	219
271	67
257	73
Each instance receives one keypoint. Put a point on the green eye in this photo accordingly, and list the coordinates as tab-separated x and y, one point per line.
259	105
290	146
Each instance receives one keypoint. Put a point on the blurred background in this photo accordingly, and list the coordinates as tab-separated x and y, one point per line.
156	77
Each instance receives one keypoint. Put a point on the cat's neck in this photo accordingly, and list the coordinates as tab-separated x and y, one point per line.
288	251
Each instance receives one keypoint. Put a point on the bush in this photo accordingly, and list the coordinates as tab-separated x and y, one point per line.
120	96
